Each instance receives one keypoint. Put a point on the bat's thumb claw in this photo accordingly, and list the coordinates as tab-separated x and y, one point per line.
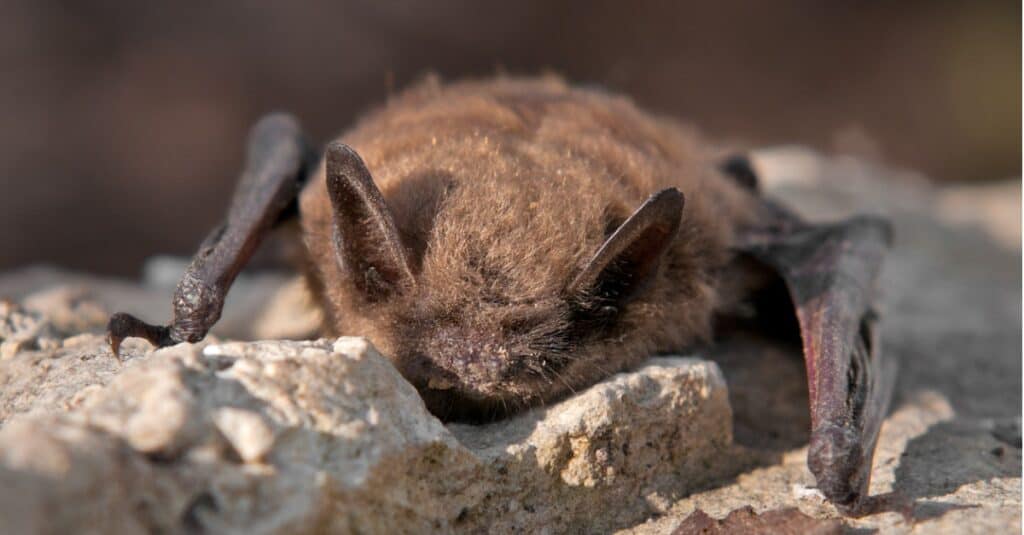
119	327
123	326
115	345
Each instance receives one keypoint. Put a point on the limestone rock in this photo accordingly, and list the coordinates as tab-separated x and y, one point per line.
293	437
611	455
745	521
22	329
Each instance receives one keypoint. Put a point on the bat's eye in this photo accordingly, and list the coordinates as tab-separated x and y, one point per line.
592	320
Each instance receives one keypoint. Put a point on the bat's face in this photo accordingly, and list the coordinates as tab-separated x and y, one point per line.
476	353
494	295
512	299
485	334
479	358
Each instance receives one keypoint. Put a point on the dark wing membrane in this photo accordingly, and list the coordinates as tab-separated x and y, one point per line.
830	271
277	163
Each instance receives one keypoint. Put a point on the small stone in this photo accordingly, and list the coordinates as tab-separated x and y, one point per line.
80	340
22	329
162	419
70	309
803	492
9	349
247	432
47	343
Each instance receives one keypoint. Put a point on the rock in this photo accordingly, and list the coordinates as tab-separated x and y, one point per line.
247	431
69	309
21	329
326	436
745	521
611	455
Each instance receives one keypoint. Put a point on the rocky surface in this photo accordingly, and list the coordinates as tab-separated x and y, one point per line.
277	437
325	435
746	521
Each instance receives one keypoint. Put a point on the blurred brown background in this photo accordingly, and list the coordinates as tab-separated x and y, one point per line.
123	122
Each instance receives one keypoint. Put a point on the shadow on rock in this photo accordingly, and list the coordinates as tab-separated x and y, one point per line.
767	390
950	455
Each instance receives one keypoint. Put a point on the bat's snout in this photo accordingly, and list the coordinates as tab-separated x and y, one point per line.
477	359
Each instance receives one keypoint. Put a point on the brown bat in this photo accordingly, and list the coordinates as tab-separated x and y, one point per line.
506	242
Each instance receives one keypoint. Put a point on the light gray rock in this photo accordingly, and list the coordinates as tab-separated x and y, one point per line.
612	455
22	329
293	437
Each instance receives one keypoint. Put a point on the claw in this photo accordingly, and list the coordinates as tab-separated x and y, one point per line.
123	326
115	345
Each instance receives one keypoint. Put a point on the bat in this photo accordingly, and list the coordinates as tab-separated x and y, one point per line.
508	241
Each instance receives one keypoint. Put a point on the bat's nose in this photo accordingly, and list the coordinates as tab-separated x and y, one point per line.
473	356
481	365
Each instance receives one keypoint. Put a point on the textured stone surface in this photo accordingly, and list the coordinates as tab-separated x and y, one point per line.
614	454
325	435
745	521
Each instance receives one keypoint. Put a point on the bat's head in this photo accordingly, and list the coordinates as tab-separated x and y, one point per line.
503	299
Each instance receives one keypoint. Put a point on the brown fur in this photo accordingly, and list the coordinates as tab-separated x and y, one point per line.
502	190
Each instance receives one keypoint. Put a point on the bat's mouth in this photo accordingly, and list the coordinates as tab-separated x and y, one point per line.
454	398
453	405
455	394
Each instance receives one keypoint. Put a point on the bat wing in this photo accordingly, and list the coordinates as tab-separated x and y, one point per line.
830	272
278	162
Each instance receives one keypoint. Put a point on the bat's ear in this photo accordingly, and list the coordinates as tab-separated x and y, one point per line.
741	171
366	240
630	256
